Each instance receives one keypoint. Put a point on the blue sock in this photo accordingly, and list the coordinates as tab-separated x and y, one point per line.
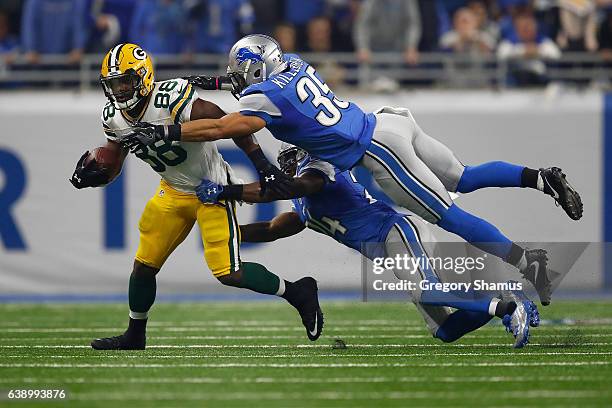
492	174
457	300
476	231
461	323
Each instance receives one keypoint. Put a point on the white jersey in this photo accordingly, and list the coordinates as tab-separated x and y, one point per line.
182	165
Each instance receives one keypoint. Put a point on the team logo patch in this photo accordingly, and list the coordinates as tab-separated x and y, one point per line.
246	54
139	54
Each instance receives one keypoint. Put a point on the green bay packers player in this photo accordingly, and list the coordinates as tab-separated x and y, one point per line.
127	78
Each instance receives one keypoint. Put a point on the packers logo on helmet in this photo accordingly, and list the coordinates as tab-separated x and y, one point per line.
127	75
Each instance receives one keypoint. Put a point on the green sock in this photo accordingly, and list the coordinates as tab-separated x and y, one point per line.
141	295
257	278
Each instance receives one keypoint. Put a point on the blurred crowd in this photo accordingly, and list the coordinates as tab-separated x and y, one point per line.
526	32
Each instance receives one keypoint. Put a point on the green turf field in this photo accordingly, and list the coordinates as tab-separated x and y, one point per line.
257	354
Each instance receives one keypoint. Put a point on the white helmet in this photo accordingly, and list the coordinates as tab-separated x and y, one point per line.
253	59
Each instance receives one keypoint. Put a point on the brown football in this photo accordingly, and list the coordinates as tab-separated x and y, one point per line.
106	158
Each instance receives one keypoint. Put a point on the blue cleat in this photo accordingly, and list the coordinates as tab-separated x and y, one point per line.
518	324
518	296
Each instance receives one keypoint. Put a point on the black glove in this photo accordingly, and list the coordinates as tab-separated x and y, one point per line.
270	176
89	175
211	83
148	134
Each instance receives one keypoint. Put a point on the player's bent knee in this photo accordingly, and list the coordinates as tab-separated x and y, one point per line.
142	270
232	279
446	337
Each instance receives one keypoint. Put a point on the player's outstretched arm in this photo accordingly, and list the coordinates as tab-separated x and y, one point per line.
211	83
201	130
308	183
228	127
270	176
281	226
203	109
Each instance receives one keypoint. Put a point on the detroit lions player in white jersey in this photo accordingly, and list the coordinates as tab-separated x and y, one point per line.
284	94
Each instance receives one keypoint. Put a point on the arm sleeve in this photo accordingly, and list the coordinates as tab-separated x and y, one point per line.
80	31
362	26
246	16
507	50
413	24
549	50
448	40
258	104
29	24
135	31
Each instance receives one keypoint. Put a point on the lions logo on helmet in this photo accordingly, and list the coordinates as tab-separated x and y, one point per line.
127	75
253	59
245	54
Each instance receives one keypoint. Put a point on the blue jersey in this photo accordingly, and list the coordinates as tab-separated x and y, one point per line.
300	109
345	211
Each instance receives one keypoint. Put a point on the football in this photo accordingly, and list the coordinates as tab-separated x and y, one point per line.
106	157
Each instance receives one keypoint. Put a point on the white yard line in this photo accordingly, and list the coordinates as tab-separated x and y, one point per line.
295	380
284	328
336	395
539	335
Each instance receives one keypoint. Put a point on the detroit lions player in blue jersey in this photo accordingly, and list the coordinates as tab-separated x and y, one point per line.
285	94
331	202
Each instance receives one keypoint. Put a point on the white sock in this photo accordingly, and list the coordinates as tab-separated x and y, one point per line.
281	287
493	306
139	315
540	183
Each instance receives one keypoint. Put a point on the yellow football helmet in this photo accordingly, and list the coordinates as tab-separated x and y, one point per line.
126	75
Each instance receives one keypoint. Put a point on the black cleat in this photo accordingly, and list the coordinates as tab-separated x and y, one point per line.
306	301
556	185
536	272
121	342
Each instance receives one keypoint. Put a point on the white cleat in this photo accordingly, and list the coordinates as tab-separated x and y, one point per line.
518	325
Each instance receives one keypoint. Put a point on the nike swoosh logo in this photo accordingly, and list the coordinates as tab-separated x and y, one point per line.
536	267
315	331
555	193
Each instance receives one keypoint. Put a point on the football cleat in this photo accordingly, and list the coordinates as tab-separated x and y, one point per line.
121	342
518	325
536	272
518	296
306	301
556	186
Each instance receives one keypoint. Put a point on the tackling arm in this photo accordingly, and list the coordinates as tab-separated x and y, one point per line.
310	182
228	127
270	177
304	185
281	226
207	110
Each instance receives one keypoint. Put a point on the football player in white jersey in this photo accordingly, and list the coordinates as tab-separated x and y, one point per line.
127	78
